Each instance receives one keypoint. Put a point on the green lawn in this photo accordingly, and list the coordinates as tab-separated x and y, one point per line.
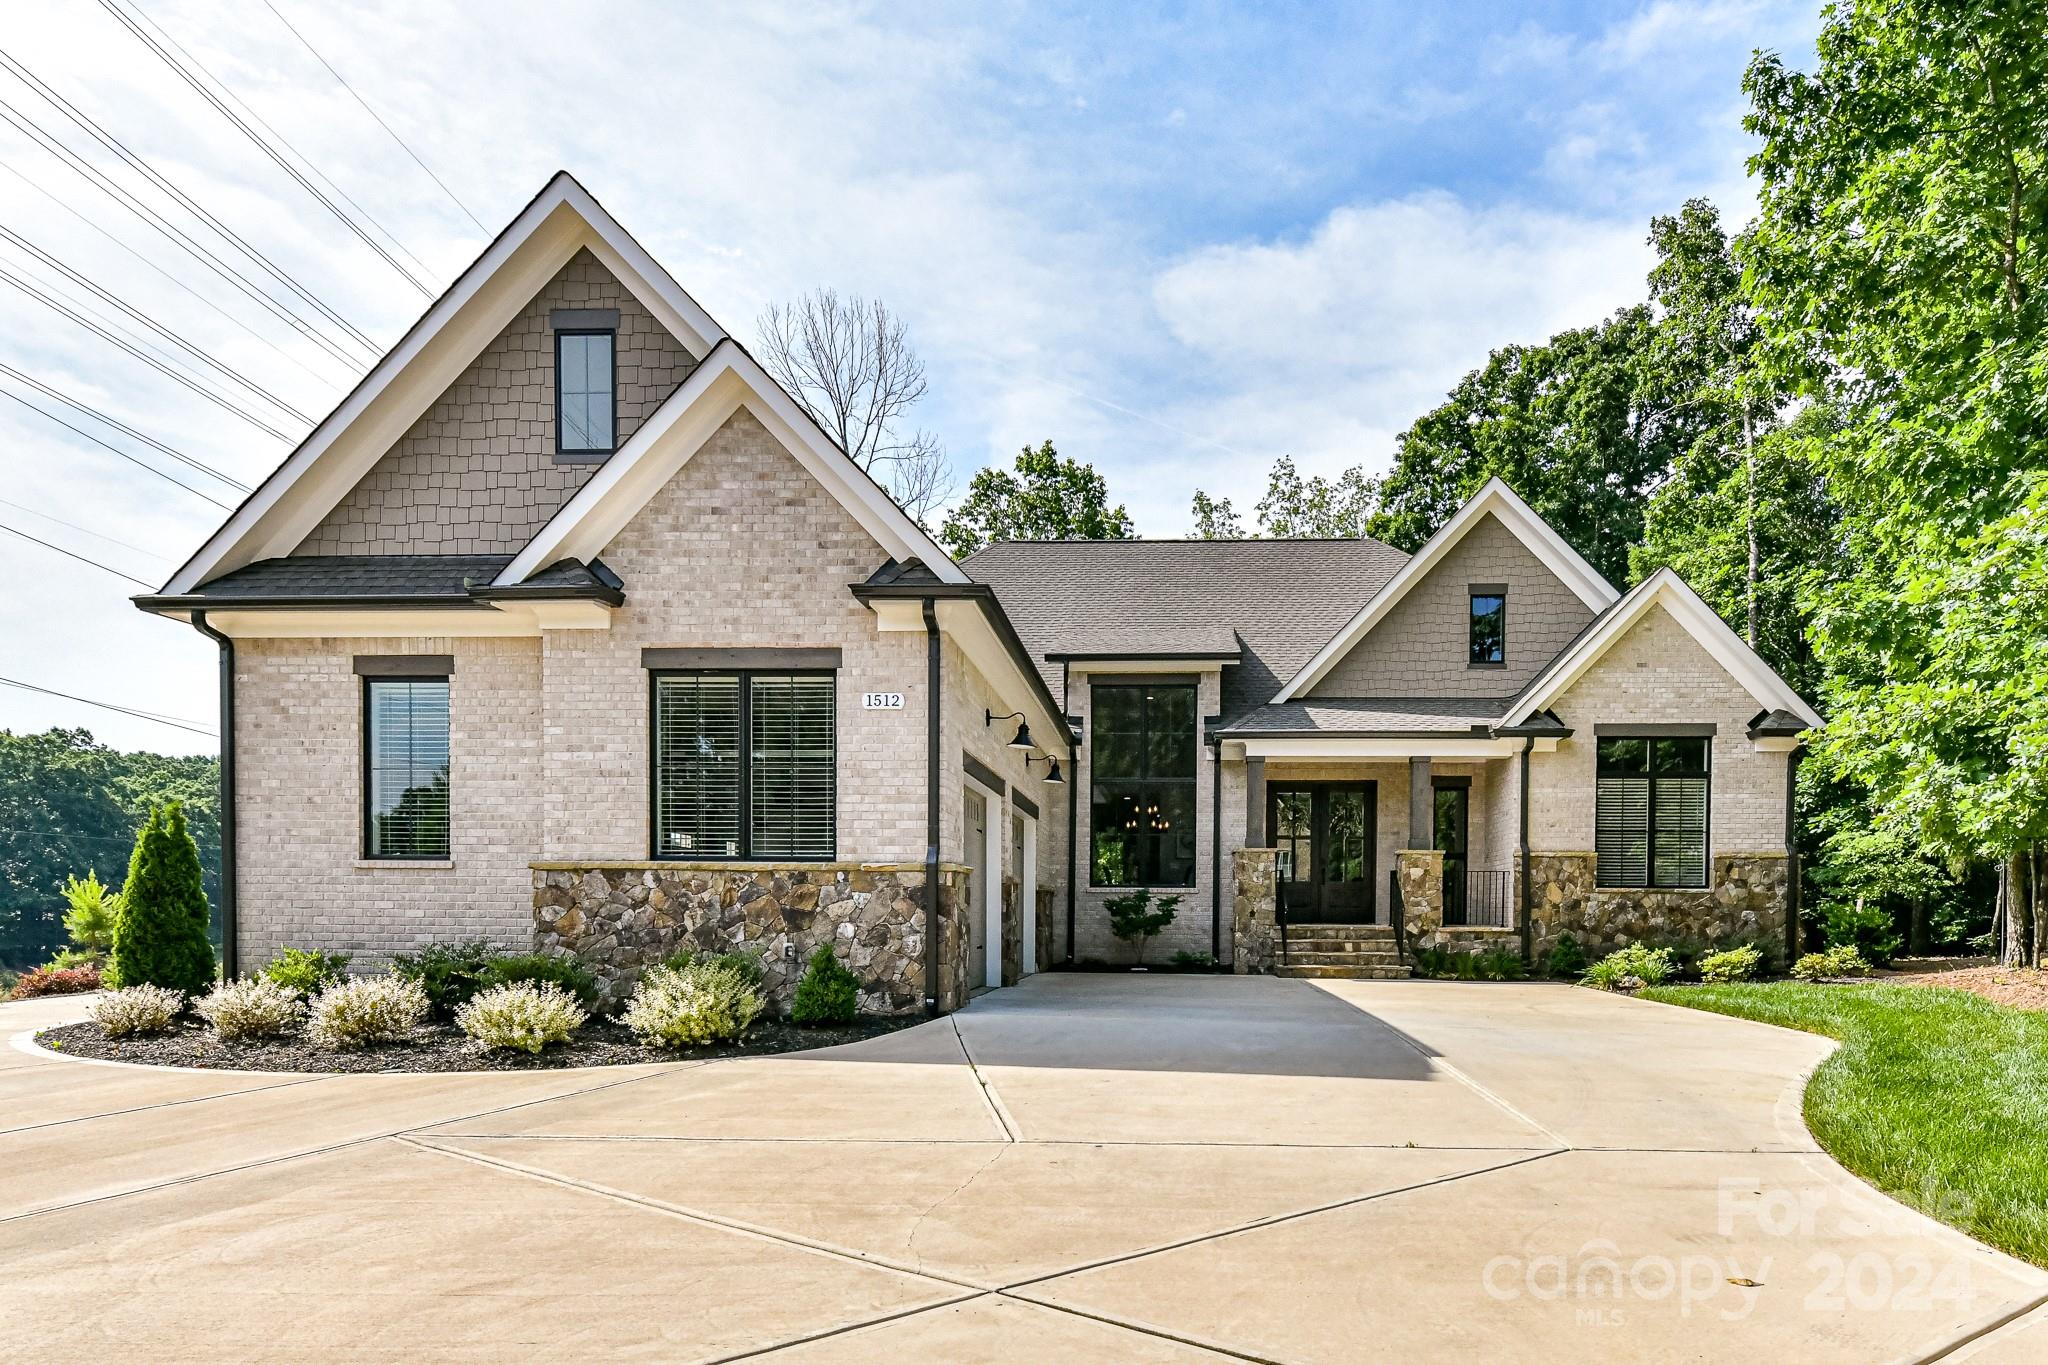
1937	1097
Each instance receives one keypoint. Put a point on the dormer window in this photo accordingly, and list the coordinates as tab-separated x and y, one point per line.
586	415
1489	628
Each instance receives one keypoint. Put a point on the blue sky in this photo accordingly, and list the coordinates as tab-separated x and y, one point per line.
1178	242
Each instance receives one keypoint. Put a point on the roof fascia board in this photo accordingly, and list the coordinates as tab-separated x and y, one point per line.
1522	522
533	247
1699	620
1342	746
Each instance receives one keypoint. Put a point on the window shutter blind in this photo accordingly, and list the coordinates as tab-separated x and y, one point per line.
1621	831
408	768
792	775
1681	831
697	773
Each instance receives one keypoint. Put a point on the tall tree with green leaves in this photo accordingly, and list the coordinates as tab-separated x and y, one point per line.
1897	265
1316	507
1215	519
160	936
1044	497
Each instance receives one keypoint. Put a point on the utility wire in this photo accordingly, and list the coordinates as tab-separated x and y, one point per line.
264	146
28	180
109	706
69	554
140	464
178	236
264	124
166	333
159	366
118	425
84	531
307	44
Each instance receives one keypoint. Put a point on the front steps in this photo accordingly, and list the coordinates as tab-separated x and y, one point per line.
1341	952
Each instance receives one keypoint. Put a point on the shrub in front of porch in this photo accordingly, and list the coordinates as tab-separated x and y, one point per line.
137	1011
520	1016
1630	968
1136	917
706	1001
828	994
254	1007
369	1009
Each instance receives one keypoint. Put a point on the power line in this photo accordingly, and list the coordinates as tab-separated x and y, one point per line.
110	706
166	333
180	456
164	226
159	366
264	124
377	116
263	146
84	531
69	554
140	464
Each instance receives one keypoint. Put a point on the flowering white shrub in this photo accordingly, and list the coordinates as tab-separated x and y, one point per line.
368	1009
520	1015
135	1010
706	1001
254	1007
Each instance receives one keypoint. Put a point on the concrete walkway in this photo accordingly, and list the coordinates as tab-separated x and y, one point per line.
1081	1168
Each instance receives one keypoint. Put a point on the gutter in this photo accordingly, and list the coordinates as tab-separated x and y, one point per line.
1215	747
1794	937
1528	929
931	808
230	920
1073	804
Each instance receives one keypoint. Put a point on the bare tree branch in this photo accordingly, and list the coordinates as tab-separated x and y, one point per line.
849	362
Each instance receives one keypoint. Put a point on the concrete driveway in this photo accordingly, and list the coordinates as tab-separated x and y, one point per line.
1081	1168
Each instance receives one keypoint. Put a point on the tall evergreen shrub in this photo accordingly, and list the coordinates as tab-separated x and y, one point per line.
160	929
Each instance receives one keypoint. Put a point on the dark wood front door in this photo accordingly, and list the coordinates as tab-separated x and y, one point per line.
1326	833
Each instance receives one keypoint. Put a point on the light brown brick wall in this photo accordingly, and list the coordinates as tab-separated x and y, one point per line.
476	474
1658	673
1422	648
298	731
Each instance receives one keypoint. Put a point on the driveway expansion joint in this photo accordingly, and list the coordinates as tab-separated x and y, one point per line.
988	1091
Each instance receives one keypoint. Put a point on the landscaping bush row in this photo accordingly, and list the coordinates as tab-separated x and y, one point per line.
1638	965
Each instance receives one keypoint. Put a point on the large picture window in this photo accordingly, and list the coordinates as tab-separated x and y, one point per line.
405	768
1650	822
745	766
1142	771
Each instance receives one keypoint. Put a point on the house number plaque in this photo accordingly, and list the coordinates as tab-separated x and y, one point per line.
881	701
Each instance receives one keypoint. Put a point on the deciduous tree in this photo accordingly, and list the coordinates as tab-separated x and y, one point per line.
1043	497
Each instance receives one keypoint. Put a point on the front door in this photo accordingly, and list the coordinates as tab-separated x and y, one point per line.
1325	833
1452	838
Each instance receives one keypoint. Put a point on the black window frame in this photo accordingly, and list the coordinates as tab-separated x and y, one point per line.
745	790
367	844
612	439
1473	597
1649	774
1192	782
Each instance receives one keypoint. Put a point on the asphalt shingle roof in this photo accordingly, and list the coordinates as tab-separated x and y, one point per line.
346	576
1389	715
1281	600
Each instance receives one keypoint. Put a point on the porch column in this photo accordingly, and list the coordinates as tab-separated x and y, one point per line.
1255	803
1421	805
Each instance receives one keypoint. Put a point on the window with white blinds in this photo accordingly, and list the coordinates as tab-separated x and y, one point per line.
405	768
745	765
1650	819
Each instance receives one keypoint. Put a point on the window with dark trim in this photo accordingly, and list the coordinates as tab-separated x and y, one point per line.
405	768
745	765
1489	634
585	413
1142	775
1650	817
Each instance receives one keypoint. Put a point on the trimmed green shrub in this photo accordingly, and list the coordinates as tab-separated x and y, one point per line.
1734	964
704	1002
544	969
368	1009
1566	960
1501	964
54	981
449	973
520	1016
1630	967
1136	917
1465	966
745	961
160	927
1434	963
254	1007
306	971
828	994
134	1011
89	920
1194	962
1840	960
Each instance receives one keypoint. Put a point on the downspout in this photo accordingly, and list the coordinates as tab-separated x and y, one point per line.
1528	929
1216	849
230	926
1792	935
931	808
1073	802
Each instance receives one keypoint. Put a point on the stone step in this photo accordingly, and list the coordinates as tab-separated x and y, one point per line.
1321	973
1338	945
1321	958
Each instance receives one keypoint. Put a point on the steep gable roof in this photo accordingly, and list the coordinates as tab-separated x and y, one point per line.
1495	499
561	220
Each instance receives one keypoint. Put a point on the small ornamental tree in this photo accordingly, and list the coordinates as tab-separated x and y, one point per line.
90	919
160	929
828	993
1136	918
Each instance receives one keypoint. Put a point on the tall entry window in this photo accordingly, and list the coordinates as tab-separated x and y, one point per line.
1142	807
1650	821
405	768
745	766
584	408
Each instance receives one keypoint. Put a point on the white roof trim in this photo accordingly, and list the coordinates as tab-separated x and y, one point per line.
1666	589
1502	501
728	379
562	219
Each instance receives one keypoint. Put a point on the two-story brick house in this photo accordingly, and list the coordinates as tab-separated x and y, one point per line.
569	627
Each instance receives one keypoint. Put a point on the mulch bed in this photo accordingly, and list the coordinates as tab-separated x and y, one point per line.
442	1047
2023	988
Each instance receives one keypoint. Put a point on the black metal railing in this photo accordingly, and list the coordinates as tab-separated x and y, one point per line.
1479	898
